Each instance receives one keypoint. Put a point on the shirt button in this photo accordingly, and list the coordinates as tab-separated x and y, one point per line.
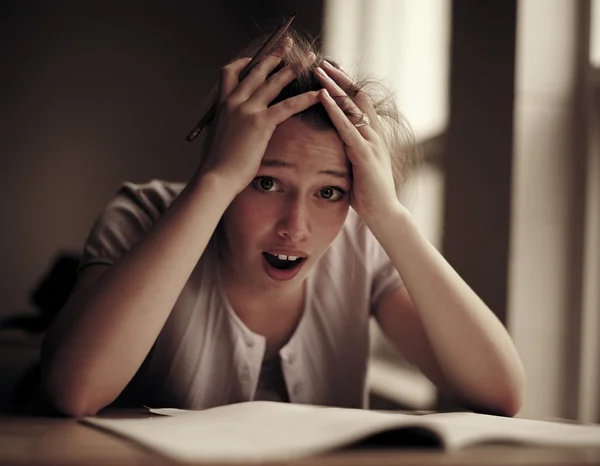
297	389
249	343
290	358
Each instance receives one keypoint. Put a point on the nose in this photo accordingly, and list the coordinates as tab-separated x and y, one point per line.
294	222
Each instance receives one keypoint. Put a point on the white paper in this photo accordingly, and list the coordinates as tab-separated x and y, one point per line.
470	428
270	431
252	431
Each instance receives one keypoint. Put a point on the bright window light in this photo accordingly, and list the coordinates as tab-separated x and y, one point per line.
403	42
595	34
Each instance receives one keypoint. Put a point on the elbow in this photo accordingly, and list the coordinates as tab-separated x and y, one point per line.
515	397
506	406
510	405
508	400
500	394
69	400
515	390
73	406
66	392
509	389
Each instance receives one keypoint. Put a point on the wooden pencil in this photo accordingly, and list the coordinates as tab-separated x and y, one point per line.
266	48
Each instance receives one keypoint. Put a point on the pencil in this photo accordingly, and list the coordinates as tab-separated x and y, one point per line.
266	48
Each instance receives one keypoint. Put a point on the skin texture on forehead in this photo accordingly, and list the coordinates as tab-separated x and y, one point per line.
296	138
295	216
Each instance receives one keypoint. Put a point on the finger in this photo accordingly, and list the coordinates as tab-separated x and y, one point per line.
273	86
259	73
361	99
280	112
230	77
346	129
350	110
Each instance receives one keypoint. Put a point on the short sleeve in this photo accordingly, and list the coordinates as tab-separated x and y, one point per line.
125	220
379	274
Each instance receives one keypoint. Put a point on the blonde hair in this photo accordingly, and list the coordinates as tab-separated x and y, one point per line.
398	136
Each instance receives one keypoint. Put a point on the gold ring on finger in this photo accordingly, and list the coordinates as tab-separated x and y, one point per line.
364	121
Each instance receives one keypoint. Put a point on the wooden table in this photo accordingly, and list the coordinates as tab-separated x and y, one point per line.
36	441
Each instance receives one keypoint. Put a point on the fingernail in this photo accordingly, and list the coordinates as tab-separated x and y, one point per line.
320	71
311	56
326	63
326	94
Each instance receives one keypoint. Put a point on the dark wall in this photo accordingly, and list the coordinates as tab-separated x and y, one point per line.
478	163
97	92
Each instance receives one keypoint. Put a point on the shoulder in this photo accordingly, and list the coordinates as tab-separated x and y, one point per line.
349	251
128	215
153	197
357	253
355	238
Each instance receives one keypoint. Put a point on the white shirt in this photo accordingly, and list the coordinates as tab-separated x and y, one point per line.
205	356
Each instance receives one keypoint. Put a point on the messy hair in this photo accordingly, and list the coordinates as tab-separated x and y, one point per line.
398	136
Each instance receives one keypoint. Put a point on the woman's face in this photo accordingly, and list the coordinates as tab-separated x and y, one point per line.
295	207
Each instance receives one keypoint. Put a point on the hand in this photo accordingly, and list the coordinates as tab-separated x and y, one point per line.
373	190
244	124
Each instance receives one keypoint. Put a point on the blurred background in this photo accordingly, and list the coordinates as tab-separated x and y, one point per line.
503	95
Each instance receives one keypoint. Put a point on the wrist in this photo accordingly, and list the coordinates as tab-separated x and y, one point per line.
217	183
387	228
381	221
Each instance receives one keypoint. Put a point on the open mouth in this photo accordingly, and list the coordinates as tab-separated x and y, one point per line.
282	262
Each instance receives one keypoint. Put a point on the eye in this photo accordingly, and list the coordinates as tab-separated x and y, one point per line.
265	184
332	194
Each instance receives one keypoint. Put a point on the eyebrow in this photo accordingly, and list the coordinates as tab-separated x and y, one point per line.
280	164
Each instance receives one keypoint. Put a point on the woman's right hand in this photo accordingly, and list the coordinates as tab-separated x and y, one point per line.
244	124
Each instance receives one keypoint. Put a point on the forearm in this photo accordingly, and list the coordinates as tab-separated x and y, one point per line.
473	350
102	335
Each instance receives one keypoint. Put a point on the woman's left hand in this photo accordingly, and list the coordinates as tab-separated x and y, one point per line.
373	193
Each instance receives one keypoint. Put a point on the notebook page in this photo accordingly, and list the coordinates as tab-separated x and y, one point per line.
462	429
254	431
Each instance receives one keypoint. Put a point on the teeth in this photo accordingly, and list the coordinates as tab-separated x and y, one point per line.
283	257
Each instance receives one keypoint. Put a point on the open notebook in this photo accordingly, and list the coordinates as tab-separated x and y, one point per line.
263	431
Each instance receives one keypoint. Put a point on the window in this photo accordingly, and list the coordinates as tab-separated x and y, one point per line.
404	43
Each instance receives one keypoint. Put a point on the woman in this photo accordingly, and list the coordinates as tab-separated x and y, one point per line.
257	279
